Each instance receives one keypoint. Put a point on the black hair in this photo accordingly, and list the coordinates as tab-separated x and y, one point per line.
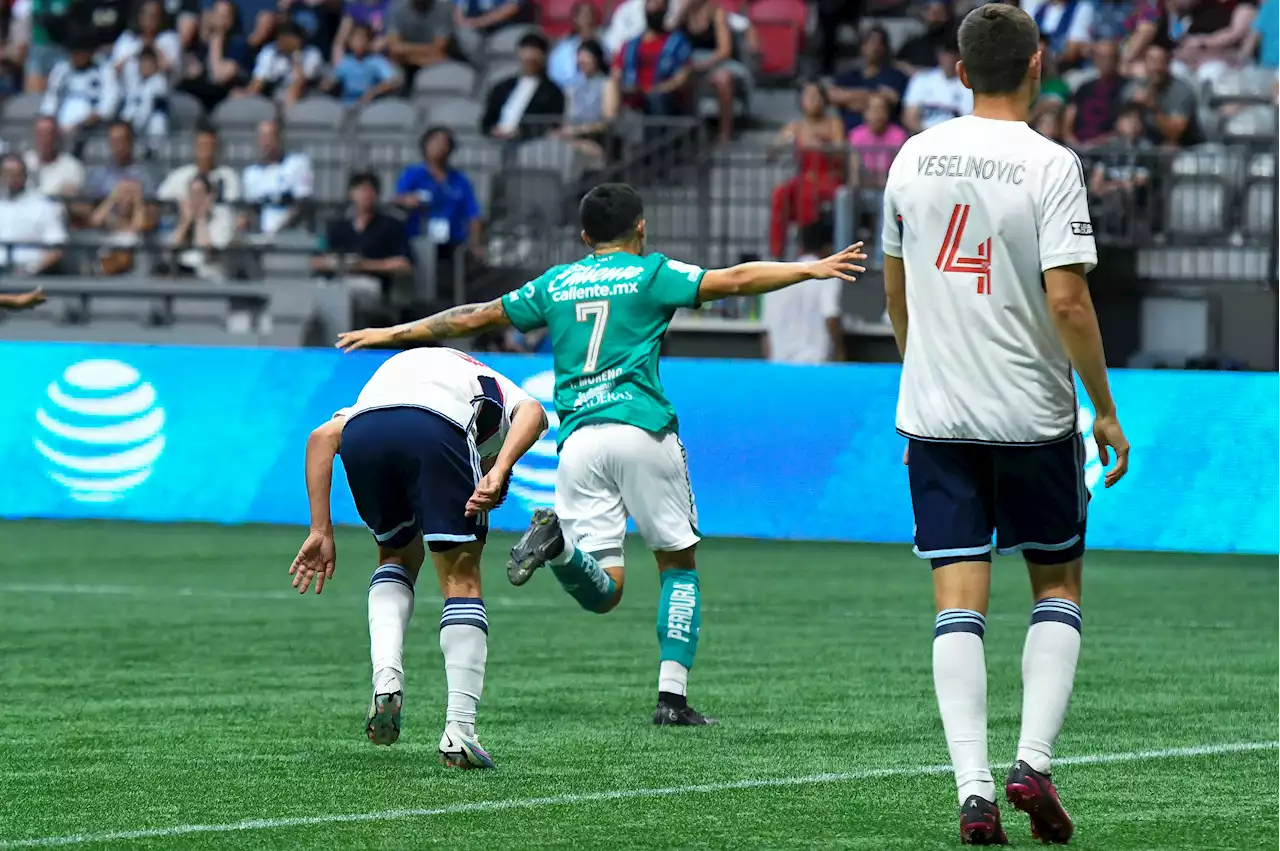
610	212
206	127
365	28
290	28
433	130
1129	109
534	39
815	237
12	156
148	52
876	29
997	44
364	178
813	81
203	181
593	47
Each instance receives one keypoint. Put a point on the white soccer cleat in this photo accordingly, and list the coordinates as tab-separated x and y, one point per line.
458	750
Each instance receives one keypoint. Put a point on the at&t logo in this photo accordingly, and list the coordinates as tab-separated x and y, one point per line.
533	481
100	430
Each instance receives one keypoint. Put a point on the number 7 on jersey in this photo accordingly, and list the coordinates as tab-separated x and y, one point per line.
597	311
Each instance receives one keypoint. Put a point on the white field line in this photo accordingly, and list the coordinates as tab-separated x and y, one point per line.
596	797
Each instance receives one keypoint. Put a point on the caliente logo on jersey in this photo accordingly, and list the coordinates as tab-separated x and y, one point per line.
533	481
1092	463
100	430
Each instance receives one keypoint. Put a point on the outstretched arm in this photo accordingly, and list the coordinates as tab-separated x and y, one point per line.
465	320
760	277
318	555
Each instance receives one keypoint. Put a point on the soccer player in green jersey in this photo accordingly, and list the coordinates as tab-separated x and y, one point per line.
620	453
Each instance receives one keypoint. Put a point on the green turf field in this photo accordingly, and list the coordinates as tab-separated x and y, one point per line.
165	684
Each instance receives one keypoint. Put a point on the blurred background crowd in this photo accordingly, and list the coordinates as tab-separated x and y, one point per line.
274	170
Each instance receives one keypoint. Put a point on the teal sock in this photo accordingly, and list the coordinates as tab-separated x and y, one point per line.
678	617
584	578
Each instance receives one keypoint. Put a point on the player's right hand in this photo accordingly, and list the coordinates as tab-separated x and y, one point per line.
842	265
365	338
1108	434
315	560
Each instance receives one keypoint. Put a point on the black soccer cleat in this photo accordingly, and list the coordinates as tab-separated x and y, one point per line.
980	823
669	715
1034	794
542	541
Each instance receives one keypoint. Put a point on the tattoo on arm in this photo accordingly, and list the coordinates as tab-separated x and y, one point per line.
461	321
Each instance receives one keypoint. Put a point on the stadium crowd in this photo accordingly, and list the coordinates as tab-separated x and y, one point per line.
1122	78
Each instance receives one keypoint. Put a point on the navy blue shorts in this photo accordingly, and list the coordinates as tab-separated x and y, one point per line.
1034	497
411	473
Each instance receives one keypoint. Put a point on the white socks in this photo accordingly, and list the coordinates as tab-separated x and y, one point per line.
673	677
960	680
390	608
464	641
1048	673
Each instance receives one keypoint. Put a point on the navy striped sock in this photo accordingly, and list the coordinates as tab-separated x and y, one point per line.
1057	609
465	611
960	620
391	573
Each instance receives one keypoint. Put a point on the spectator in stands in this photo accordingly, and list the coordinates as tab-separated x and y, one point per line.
816	141
287	68
205	228
1055	92
832	14
1216	32
32	227
590	105
146	32
563	62
1049	124
440	199
51	171
1265	33
123	167
279	185
802	323
1168	104
221	61
223	182
124	218
873	74
1091	113
936	95
1065	25
361	76
475	20
706	25
1120	177
183	17
43	49
146	97
1159	22
921	52
652	71
418	35
873	145
528	104
81	93
374	14
367	247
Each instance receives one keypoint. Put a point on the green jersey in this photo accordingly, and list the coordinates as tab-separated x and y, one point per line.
606	315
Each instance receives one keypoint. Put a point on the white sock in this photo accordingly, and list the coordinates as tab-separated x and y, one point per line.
1048	673
565	554
673	677
960	680
390	609
464	641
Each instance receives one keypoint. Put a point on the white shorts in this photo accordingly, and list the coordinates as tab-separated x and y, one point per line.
609	472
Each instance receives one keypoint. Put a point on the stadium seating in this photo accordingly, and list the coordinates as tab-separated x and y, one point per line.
780	26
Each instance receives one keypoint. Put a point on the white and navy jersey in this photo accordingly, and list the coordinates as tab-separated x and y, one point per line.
146	103
74	94
451	383
275	69
276	186
978	209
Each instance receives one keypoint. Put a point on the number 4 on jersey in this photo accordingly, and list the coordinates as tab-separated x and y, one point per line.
949	259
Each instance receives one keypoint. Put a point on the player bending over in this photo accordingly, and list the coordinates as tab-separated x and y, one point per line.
414	445
22	301
987	240
620	454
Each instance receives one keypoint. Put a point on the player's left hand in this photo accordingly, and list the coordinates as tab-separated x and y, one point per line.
366	338
490	492
315	560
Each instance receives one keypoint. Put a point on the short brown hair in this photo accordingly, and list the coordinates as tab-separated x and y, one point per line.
997	43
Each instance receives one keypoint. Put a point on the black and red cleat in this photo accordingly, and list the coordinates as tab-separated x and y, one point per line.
1033	793
980	823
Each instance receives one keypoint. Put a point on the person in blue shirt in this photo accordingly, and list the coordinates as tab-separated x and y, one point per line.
441	202
1263	39
851	90
361	76
562	63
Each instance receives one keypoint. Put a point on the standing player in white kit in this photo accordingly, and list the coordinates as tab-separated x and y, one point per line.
428	449
987	240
